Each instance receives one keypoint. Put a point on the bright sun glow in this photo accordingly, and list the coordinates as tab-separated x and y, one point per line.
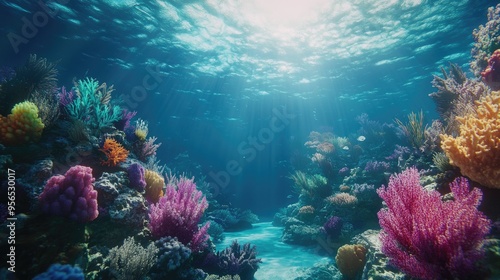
283	14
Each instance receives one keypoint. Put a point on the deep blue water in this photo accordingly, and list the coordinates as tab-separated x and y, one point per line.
207	75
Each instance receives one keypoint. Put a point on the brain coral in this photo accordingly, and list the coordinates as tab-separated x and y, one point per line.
22	126
476	151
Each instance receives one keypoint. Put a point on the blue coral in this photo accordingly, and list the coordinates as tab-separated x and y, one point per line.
61	272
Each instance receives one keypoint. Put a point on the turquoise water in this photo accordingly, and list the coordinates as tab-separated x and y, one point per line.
280	261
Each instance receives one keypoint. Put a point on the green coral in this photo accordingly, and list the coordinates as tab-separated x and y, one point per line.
91	105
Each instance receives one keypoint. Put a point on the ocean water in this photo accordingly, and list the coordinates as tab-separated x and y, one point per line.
232	90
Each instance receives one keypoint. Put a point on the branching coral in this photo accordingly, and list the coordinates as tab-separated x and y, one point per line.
21	126
114	151
476	151
428	238
37	75
455	94
178	213
234	260
92	104
487	40
312	186
132	261
414	129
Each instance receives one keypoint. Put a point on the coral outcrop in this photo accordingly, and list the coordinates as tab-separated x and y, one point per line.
71	195
476	151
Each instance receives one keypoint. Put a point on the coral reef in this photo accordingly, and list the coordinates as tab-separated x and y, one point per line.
92	105
21	126
132	261
234	260
154	186
351	259
476	151
178	213
491	75
487	40
36	76
71	195
61	272
114	151
136	176
428	238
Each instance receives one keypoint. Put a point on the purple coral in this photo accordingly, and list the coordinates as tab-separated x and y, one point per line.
234	260
377	166
136	176
178	213
333	227
71	195
428	238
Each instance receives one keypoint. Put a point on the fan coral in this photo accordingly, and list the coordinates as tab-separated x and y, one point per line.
178	213
21	126
476	151
491	75
114	151
154	186
351	260
428	238
71	195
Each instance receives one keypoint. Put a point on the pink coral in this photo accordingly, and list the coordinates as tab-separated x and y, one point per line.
178	213
491	75
428	238
71	195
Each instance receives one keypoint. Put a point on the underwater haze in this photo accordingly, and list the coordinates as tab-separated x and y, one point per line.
219	68
294	111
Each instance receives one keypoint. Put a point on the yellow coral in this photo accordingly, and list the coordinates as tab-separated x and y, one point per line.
351	259
22	125
141	129
154	186
476	151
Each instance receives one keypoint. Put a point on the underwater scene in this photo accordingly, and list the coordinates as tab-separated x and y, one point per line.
250	139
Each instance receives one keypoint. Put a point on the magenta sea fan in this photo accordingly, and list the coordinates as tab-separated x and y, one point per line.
428	238
178	213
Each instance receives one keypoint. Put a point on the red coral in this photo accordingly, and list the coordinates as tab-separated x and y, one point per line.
491	75
114	151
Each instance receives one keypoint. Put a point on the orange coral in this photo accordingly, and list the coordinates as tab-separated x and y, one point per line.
351	259
306	212
154	186
21	126
476	151
114	151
